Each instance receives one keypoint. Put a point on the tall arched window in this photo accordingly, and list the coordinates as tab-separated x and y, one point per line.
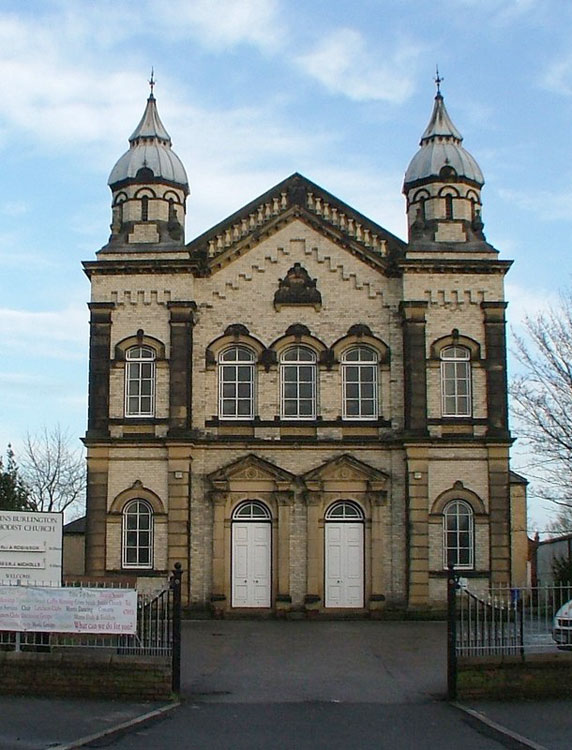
236	383
140	382
298	374
458	535
137	547
144	208
456	381
448	206
359	383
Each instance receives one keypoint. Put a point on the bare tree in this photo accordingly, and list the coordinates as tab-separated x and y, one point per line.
53	470
542	398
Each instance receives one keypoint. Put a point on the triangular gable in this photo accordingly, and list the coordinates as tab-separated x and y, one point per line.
348	469
296	198
250	468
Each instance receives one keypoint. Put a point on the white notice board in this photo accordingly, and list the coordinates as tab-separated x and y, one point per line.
68	610
31	548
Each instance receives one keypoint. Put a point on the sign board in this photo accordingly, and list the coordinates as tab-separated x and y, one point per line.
31	548
68	610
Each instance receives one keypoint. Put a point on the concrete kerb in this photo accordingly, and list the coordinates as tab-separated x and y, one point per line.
126	726
504	735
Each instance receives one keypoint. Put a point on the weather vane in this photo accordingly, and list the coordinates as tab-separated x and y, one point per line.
438	79
152	81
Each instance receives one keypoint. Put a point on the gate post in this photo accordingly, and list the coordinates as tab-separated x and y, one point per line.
452	585
175	583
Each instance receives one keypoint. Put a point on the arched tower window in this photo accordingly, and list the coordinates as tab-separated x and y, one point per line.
137	545
359	383
456	381
298	375
140	382
458	535
236	383
145	208
448	206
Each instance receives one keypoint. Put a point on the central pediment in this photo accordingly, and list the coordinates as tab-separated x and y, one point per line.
296	198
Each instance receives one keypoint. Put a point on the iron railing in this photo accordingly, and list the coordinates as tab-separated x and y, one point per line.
504	621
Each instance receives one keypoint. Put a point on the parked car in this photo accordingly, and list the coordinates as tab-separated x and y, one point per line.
562	626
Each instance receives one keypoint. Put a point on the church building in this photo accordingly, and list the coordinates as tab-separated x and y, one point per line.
304	410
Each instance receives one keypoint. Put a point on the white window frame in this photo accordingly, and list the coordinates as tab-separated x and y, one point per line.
251	510
457	359
138	509
134	361
361	366
236	363
456	509
345	510
296	365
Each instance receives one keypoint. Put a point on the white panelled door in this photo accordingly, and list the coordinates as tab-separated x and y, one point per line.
344	564
251	568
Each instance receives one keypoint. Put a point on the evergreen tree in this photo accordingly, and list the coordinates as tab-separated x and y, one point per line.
13	492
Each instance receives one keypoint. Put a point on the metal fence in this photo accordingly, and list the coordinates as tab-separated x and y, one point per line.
158	628
505	621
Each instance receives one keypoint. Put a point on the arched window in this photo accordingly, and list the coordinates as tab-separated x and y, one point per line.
456	381
458	535
137	535
359	383
236	383
144	208
251	510
140	382
298	383
448	206
344	510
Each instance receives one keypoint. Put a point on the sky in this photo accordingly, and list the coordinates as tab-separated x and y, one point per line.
250	92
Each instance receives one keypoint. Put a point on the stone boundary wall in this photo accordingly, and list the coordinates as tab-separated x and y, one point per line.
85	675
540	676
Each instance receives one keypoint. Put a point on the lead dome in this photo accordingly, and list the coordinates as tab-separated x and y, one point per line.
441	153
150	154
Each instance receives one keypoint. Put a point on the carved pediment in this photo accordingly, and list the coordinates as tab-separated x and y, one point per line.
250	468
348	469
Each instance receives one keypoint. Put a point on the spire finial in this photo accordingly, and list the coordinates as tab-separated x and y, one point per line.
152	81
438	80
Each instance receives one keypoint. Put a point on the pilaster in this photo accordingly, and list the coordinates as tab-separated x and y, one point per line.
181	322
99	368
414	366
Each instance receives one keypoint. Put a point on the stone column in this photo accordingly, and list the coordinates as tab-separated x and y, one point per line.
378	499
418	516
495	342
180	364
219	500
499	513
283	598
315	553
99	368
96	511
414	366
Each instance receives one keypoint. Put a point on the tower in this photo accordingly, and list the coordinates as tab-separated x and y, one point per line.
149	187
443	185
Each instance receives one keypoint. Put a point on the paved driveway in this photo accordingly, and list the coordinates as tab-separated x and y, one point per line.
290	661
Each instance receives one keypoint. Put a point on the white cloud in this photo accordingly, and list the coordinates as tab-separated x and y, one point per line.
49	332
225	23
13	208
546	205
342	62
525	302
558	76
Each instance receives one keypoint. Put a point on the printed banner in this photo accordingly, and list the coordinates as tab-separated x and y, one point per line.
68	610
31	548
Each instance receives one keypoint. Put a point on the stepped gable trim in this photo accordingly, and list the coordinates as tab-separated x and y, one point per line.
297	197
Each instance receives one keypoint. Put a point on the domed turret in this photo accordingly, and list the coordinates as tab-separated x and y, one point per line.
443	183
149	186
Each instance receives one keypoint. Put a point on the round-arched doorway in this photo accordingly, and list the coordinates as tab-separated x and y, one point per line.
251	555
344	555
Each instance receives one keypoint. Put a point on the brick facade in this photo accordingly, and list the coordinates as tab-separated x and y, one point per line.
297	268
